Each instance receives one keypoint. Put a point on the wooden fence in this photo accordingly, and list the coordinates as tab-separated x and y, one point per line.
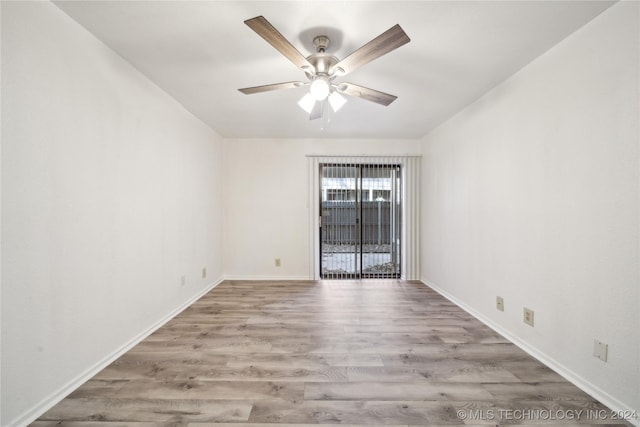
339	225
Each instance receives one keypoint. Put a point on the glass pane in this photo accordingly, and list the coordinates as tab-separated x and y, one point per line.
340	232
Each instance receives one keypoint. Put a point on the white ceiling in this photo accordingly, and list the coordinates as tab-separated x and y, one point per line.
201	52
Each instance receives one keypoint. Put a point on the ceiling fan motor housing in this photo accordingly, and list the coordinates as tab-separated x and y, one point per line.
322	63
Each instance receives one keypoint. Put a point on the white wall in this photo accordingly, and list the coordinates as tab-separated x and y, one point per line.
266	201
532	193
111	192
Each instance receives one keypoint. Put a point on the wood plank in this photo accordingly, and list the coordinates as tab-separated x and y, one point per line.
148	410
286	425
115	424
534	391
211	390
354	412
382	391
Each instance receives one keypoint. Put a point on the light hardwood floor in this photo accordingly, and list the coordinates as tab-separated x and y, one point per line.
334	352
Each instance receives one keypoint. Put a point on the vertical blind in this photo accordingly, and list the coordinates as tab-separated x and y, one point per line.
360	220
363	180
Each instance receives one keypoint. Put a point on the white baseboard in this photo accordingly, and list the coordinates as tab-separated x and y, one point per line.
562	370
55	397
269	278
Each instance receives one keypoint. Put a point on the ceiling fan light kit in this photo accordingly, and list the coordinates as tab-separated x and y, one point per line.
336	101
321	68
320	88
307	102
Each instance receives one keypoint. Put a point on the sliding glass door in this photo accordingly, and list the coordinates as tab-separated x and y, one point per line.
360	211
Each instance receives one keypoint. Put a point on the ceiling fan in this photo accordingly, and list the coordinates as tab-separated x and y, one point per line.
322	68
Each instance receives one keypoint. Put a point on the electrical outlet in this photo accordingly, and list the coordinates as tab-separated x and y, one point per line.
277	262
528	316
204	272
600	350
183	280
500	303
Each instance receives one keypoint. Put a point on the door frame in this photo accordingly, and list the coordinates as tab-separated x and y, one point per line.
410	212
358	236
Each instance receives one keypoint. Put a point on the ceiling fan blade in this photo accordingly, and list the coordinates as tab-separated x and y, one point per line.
366	93
267	88
268	32
391	39
316	112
